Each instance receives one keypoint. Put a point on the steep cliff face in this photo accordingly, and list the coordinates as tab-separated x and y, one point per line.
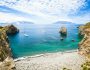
84	45
11	29
4	45
6	60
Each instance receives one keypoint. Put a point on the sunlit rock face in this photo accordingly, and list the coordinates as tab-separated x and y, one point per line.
6	60
4	45
81	31
7	64
84	45
63	31
11	29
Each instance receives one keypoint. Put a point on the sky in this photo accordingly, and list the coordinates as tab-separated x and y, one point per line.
45	11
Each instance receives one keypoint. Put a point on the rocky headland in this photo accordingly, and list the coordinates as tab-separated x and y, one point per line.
6	60
63	31
84	45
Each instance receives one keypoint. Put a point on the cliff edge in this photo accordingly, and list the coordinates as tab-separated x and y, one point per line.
84	45
6	60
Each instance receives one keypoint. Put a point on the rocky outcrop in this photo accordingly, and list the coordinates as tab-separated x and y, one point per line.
11	29
4	45
7	64
84	45
6	60
81	31
63	31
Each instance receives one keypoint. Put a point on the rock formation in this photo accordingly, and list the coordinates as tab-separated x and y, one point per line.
6	60
84	45
11	29
63	31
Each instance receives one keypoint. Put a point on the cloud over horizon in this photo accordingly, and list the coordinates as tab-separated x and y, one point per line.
69	10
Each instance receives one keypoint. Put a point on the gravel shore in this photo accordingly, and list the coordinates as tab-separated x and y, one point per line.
51	61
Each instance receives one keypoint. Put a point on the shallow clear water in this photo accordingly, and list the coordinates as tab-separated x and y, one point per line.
43	39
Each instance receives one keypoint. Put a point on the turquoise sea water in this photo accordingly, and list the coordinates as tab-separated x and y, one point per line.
37	39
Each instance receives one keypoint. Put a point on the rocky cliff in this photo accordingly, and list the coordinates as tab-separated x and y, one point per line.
11	29
84	45
6	60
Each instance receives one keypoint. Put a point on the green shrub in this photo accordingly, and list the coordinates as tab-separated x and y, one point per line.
85	68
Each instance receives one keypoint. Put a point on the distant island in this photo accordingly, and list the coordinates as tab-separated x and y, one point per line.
63	22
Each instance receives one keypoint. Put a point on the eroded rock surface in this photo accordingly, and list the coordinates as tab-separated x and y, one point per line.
6	60
11	29
84	45
63	32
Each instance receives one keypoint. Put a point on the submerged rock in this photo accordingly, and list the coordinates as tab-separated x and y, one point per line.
61	39
73	40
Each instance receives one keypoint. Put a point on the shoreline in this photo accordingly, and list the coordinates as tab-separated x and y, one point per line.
45	54
51	61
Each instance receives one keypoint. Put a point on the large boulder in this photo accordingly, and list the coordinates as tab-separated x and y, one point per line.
63	31
11	29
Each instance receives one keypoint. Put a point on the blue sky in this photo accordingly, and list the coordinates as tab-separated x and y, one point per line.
45	11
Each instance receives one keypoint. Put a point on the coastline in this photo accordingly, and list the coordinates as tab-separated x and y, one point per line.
51	61
45	54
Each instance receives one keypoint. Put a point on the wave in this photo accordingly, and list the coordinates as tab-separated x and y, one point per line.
45	54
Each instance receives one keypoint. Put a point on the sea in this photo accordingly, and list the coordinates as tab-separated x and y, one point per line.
34	39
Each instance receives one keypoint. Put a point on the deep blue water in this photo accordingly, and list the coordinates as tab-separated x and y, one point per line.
43	39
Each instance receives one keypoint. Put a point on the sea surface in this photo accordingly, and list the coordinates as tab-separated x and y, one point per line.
38	39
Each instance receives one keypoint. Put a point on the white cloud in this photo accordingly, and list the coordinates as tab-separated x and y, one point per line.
44	8
6	17
58	6
52	6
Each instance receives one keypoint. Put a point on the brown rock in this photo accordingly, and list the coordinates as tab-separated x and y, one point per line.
11	29
6	61
84	45
63	31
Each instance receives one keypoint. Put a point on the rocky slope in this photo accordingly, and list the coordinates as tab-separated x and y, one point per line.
6	61
84	45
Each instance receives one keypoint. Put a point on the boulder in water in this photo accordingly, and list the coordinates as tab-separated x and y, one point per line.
63	31
73	40
61	39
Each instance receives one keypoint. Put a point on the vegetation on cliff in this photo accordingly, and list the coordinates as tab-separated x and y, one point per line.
86	66
87	25
11	29
6	61
4	45
84	45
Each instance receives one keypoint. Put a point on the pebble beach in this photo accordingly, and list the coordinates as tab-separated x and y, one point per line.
51	61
